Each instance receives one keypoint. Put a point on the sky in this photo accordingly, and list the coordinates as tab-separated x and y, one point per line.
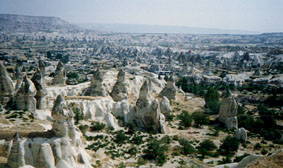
252	15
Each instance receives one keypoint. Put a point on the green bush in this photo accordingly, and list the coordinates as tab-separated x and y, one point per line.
78	114
212	100
187	147
200	119
155	150
185	119
97	126
137	139
229	146
206	147
120	137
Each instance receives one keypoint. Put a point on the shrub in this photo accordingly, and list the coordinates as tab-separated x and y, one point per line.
120	137
166	139
137	139
200	119
78	114
185	119
257	146
187	148
229	146
155	150
212	100
97	126
205	147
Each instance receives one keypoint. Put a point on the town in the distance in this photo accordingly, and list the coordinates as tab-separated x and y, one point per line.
75	97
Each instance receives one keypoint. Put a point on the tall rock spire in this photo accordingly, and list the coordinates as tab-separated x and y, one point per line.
6	85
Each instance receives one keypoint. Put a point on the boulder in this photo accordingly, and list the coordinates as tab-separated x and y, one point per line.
241	134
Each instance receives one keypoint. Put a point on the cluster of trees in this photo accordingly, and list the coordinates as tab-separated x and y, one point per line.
197	119
264	124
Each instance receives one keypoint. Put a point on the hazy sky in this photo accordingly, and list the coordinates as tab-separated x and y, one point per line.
254	15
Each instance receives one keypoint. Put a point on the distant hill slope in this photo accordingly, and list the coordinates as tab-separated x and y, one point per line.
22	23
139	28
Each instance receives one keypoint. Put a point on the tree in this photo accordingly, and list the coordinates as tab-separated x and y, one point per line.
229	146
206	147
200	119
185	119
212	100
155	150
187	147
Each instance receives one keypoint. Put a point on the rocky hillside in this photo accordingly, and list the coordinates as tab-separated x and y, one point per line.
22	23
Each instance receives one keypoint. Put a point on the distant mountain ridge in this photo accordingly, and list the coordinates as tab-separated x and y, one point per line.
23	23
139	28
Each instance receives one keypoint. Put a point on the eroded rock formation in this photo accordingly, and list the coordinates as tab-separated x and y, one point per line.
64	150
24	98
170	89
119	91
241	134
41	92
96	87
228	111
147	111
59	75
165	106
6	85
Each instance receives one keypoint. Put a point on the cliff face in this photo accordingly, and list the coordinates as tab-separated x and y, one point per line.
21	23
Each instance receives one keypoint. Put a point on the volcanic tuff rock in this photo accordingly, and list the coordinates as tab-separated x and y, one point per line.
6	85
228	112
59	75
241	134
65	150
41	65
24	98
147	114
119	91
170	89
41	93
165	106
97	87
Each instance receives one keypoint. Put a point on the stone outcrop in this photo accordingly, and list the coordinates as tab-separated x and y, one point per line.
63	124
64	150
41	66
19	75
241	134
24	98
170	89
41	92
119	91
59	75
97	87
147	111
228	112
165	106
101	109
6	85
